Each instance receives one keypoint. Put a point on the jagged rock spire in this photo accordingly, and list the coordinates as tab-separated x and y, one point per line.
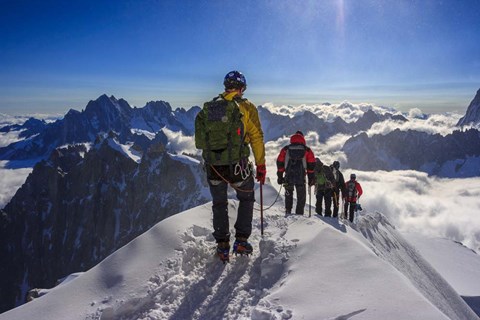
473	112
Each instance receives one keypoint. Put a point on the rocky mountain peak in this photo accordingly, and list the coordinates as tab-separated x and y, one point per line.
473	112
108	106
158	107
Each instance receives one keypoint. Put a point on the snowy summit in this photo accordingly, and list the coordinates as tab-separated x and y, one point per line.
302	268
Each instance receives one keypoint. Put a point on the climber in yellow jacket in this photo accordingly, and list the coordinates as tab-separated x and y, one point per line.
225	129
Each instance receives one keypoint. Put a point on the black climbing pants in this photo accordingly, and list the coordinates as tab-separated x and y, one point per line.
324	195
246	197
350	210
301	197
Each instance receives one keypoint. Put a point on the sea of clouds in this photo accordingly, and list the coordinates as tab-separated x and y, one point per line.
347	111
412	200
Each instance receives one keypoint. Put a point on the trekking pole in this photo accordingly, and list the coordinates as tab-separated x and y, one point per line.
261	208
309	201
355	212
336	204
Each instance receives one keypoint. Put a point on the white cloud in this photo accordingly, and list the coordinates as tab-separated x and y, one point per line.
11	180
434	125
427	205
9	137
178	143
349	112
415	113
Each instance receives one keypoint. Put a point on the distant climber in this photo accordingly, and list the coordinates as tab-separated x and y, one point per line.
324	183
352	195
294	162
338	186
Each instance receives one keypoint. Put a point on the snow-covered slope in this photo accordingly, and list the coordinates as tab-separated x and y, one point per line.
302	268
453	261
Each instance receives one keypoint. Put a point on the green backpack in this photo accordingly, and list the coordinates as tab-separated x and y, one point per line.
321	179
324	177
219	132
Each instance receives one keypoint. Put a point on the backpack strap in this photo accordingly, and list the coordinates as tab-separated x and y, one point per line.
229	139
304	160
241	131
287	158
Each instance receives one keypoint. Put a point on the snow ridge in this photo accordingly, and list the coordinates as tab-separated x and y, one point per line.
388	244
194	285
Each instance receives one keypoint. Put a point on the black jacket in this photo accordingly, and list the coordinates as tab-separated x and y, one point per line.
339	184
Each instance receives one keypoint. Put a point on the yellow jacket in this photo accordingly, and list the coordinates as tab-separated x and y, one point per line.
253	128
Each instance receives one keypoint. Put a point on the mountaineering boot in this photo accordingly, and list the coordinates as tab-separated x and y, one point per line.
223	251
241	247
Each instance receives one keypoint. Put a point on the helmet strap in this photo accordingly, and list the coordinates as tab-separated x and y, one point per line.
239	91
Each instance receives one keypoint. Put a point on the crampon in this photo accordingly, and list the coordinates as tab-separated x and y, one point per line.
223	251
242	247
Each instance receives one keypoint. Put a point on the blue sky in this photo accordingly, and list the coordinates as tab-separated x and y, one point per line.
56	55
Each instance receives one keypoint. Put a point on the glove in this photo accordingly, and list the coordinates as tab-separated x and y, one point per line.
280	178
261	173
311	179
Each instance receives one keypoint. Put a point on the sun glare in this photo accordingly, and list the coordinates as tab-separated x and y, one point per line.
340	18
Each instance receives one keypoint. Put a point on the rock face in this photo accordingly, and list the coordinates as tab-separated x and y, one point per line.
415	150
80	205
473	112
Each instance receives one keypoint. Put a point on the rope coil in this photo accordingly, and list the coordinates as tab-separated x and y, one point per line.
244	190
